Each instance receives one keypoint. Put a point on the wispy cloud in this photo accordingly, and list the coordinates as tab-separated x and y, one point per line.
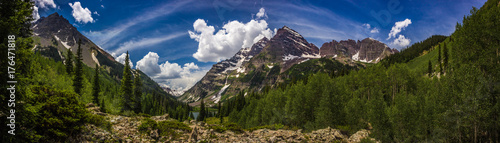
305	20
108	37
145	42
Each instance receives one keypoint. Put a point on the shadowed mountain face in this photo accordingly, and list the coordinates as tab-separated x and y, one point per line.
56	31
54	35
367	50
267	63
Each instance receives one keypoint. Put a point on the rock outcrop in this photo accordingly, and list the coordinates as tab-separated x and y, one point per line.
367	50
125	129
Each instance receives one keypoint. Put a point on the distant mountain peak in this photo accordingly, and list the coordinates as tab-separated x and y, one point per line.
367	50
55	30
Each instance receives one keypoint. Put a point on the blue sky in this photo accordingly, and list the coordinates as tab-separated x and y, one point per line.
168	39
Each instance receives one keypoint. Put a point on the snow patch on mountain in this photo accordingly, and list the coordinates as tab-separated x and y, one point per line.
65	44
356	56
289	57
95	59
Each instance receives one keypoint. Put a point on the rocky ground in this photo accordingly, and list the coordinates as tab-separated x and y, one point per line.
125	129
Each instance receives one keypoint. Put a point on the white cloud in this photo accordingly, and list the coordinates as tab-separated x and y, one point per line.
261	13
121	59
82	15
35	14
149	64
102	6
145	42
173	75
95	12
401	41
110	37
227	41
369	28
398	27
44	3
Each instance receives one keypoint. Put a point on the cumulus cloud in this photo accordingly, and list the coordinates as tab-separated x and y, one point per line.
95	12
173	75
41	4
398	27
45	3
261	13
102	6
374	30
401	41
149	64
368	27
35	14
82	15
121	59
227	41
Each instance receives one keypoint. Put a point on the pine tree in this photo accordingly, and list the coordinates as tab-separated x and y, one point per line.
78	79
429	69
138	93
201	115
446	56
96	88
69	62
126	86
439	60
220	113
191	115
103	107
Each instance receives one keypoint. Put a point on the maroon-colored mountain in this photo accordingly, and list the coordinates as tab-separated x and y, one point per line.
367	50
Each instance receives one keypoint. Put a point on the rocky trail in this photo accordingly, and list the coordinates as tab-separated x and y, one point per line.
126	129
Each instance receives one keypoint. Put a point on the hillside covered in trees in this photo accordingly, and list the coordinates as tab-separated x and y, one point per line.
442	89
456	99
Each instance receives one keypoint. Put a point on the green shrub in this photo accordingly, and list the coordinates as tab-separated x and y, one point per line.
99	121
166	125
57	114
233	127
147	125
218	128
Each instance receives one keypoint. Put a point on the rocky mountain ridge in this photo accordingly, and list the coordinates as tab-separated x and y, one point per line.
265	62
367	50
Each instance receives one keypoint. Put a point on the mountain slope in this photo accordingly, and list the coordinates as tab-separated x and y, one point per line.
275	62
54	35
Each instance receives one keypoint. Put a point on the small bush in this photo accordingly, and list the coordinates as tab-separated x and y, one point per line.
147	125
234	127
128	113
218	128
165	125
366	140
99	121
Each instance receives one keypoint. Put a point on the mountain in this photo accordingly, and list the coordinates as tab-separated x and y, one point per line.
172	92
367	50
285	58
54	35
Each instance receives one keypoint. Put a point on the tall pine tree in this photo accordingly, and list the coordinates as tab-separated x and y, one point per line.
96	88
126	86
137	93
439	60
429	69
78	80
202	114
446	56
69	62
220	113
